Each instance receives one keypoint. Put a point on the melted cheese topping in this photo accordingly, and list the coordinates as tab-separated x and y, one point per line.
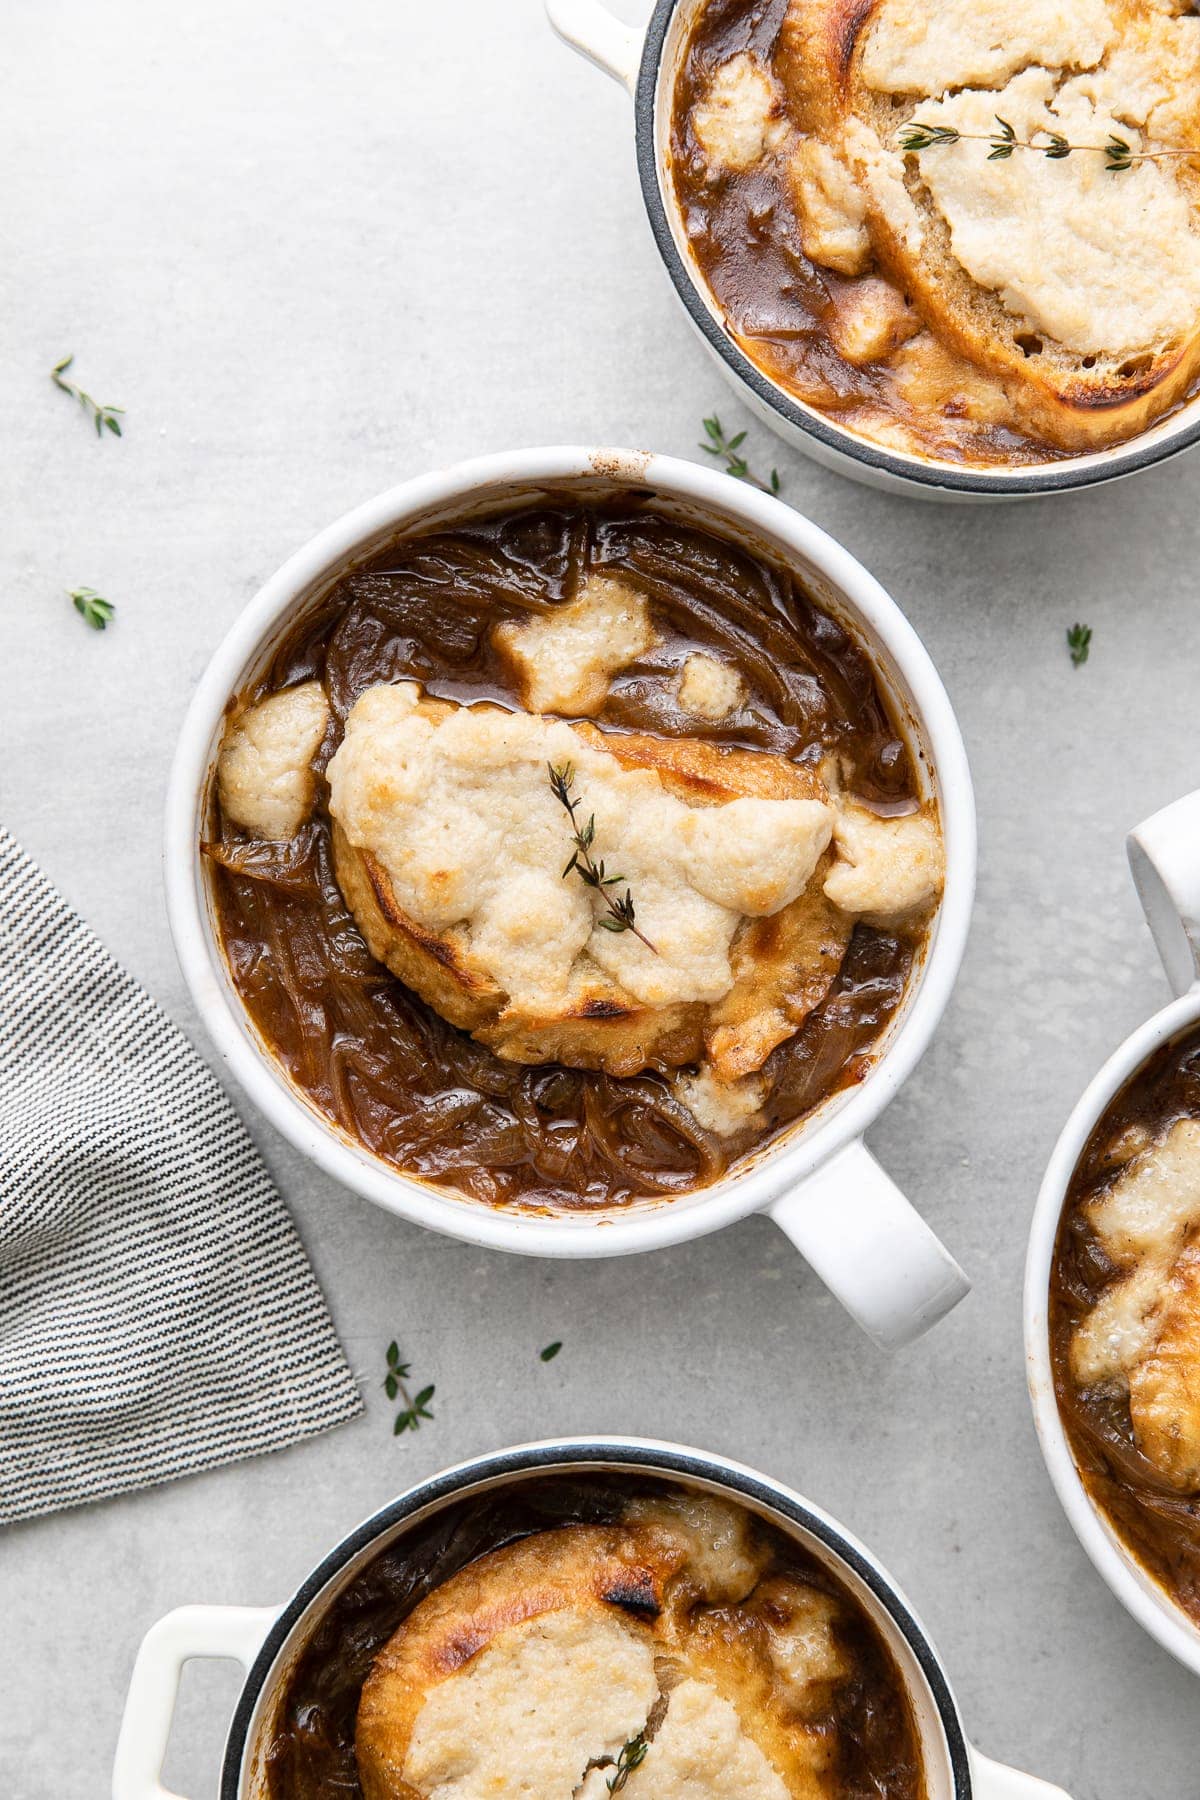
1164	1389
710	689
737	121
722	1107
565	660
701	1752
831	209
724	1559
805	1653
265	768
459	812
526	1715
1077	252
1144	1332
978	42
888	869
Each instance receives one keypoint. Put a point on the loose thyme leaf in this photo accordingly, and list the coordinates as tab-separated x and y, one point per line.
632	1754
92	607
413	1411
721	446
105	418
621	912
551	1351
1079	643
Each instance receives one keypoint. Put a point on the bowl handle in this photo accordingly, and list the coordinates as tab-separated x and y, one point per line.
870	1248
994	1781
591	29
1164	859
229	1631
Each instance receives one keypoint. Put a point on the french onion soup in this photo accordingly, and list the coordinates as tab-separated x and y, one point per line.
563	858
968	230
1125	1318
584	1637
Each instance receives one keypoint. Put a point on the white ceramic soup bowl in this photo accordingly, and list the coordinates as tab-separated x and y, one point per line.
646	62
817	1181
267	1640
1164	856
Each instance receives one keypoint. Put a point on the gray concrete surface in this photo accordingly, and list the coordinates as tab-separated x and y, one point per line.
313	250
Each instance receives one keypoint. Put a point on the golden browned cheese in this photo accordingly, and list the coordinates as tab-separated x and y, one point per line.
1125	1318
942	301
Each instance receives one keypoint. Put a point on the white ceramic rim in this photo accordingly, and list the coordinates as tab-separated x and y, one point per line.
1150	1603
648	1226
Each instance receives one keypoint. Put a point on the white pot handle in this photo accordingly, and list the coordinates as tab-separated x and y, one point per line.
870	1248
591	29
225	1631
1164	859
994	1781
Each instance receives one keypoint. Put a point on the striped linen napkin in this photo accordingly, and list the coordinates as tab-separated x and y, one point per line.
158	1314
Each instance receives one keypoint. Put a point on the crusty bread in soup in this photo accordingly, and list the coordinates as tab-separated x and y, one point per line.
739	961
1076	287
525	1675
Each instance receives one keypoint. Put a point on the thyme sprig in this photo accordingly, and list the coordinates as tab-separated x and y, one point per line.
105	418
1079	643
409	1419
92	607
632	1754
920	134
735	463
621	910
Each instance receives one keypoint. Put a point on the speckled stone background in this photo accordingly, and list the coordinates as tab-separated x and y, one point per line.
314	249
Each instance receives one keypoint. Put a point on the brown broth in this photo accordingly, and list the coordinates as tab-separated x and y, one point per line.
776	304
310	1747
1158	1523
376	1058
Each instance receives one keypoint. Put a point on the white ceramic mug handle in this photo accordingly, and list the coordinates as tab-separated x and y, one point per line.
590	28
870	1248
223	1631
994	1781
1164	859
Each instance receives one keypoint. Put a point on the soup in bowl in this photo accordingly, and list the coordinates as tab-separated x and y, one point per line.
567	851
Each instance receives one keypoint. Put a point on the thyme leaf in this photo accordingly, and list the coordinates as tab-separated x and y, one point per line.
92	608
730	448
551	1351
632	1754
621	914
921	134
394	1384
1079	643
105	418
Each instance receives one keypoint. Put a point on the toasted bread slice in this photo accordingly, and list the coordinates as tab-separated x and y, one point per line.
1075	287
782	963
